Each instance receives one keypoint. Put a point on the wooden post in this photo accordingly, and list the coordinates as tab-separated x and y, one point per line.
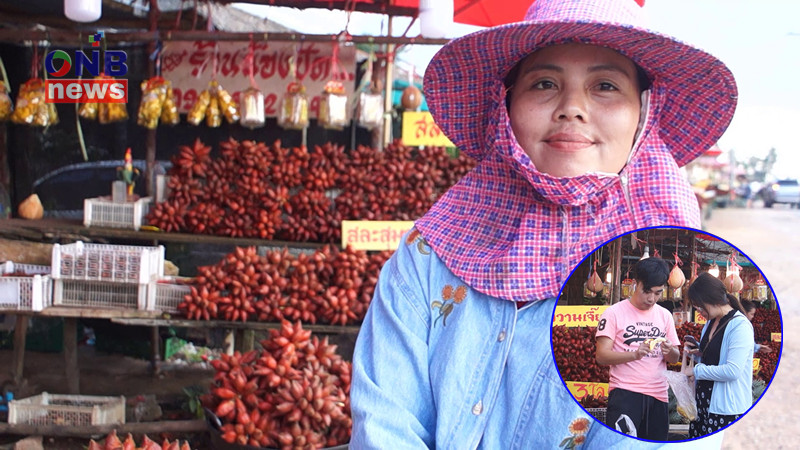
387	101
20	331
616	285
155	349
71	355
150	141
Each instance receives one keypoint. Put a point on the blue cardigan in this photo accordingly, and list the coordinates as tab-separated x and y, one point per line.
733	377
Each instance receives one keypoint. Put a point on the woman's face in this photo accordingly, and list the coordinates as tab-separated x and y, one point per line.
575	109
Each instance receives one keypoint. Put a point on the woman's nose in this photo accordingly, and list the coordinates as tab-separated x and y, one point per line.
571	105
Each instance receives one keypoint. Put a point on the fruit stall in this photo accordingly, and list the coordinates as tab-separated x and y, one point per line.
260	193
604	278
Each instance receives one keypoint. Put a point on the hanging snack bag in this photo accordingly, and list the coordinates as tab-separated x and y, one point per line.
5	103
293	113
31	106
213	114
198	111
370	109
169	110
226	104
88	111
252	108
154	92
333	106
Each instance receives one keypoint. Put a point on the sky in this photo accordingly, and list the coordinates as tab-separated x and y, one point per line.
758	40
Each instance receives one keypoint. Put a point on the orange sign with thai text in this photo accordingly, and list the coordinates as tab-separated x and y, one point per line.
581	389
578	316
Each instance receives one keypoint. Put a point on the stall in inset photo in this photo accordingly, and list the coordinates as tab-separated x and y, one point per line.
667	334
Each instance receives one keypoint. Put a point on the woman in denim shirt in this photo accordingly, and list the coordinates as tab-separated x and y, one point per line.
580	118
724	387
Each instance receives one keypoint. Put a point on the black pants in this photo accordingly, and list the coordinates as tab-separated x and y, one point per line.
631	412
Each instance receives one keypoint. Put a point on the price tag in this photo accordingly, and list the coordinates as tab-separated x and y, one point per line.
374	234
756	365
578	316
776	337
698	318
581	389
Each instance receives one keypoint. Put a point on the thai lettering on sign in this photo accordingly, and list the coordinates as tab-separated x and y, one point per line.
374	234
191	65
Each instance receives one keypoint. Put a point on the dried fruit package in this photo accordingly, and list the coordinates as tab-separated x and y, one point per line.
154	93
213	114
112	112
333	106
252	108
31	106
198	111
293	113
227	105
5	103
370	110
169	110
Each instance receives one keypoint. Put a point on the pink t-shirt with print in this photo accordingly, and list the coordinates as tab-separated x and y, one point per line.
628	326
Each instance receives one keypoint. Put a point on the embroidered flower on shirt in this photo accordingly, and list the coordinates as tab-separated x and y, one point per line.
422	244
579	427
450	298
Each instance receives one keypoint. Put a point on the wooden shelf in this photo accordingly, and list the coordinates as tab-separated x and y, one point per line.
161	322
55	230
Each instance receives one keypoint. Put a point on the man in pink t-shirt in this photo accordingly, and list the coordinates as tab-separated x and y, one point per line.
637	337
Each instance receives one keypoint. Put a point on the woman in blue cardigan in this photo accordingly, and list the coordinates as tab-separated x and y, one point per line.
725	372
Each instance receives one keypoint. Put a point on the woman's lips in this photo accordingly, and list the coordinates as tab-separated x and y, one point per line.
568	141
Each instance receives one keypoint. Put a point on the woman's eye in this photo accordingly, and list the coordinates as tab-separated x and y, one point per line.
544	84
605	86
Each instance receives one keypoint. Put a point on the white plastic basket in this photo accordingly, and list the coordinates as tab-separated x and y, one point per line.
108	263
598	413
28	269
168	295
67	410
103	212
32	293
98	294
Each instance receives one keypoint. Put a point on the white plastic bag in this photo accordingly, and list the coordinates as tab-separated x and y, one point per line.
683	388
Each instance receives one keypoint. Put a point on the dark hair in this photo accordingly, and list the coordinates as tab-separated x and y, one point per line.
747	305
651	272
709	290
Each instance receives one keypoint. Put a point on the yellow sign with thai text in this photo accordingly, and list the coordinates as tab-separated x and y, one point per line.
580	389
419	129
776	337
578	316
756	365
698	318
374	234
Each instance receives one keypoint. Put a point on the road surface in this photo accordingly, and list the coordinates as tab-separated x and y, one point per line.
770	238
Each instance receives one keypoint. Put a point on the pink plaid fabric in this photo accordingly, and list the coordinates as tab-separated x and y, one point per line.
514	233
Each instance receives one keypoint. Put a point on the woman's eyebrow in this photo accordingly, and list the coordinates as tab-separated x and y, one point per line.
559	69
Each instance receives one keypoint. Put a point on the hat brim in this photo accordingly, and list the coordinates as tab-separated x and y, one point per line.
699	91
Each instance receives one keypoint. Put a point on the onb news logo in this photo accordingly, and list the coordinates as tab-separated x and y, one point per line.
87	90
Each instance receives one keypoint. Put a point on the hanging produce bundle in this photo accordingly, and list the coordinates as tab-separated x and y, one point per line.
333	106
5	103
158	103
104	113
213	104
32	108
294	393
293	113
370	109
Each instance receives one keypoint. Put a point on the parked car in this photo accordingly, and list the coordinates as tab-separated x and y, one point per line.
781	191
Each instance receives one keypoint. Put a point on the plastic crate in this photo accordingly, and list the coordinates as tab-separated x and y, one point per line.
104	262
67	410
98	294
32	293
598	413
28	269
168	295
103	212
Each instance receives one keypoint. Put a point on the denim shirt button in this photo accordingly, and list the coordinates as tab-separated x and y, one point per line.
502	336
478	408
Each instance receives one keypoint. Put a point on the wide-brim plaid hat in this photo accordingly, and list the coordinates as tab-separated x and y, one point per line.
465	79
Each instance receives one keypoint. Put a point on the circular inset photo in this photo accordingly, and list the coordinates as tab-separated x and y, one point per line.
667	334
